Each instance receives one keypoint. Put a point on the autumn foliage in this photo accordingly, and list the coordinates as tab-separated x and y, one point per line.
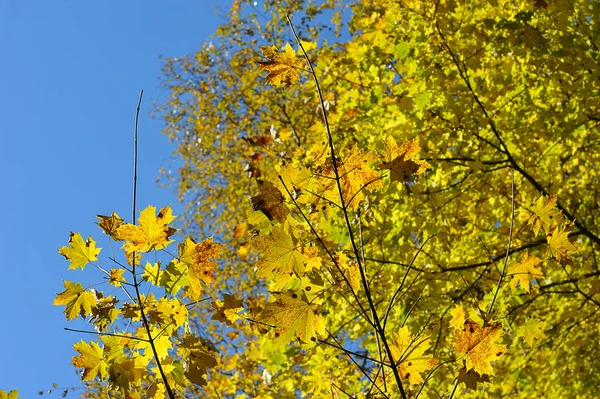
385	199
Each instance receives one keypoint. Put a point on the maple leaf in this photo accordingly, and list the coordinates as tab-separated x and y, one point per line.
80	252
524	271
409	354
544	213
270	201
14	394
197	257
175	277
279	256
282	66
91	360
559	245
110	225
105	312
198	355
532	329
458	316
479	345
76	299
400	160
356	176
161	340
471	378
125	371
152	232
116	277
293	316
226	311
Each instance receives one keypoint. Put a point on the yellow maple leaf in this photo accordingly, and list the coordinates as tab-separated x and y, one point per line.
77	300
356	176
400	160
280	257
197	256
479	345
116	277
14	394
293	316
524	271
544	214
532	329
152	232
409	354
110	224
226	311
283	66
458	316
161	340
559	245
91	360
80	252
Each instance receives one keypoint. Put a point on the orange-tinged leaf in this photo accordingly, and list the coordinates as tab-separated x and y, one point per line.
479	345
116	277
409	355
240	230
293	316
80	252
152	233
280	257
559	245
76	299
110	224
356	176
545	214
400	160
197	256
532	329
282	66
91	360
524	271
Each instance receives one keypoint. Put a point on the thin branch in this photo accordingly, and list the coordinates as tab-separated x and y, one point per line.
510	232
135	281
106	334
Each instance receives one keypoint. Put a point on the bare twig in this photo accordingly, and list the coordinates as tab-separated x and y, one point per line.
136	284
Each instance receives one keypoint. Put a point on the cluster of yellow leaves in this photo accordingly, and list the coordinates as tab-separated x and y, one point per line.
124	358
546	215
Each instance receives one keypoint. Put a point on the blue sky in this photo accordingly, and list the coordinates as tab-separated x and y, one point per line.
69	83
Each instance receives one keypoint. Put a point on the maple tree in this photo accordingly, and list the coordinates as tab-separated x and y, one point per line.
402	199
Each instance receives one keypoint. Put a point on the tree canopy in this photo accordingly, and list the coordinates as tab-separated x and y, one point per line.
402	198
